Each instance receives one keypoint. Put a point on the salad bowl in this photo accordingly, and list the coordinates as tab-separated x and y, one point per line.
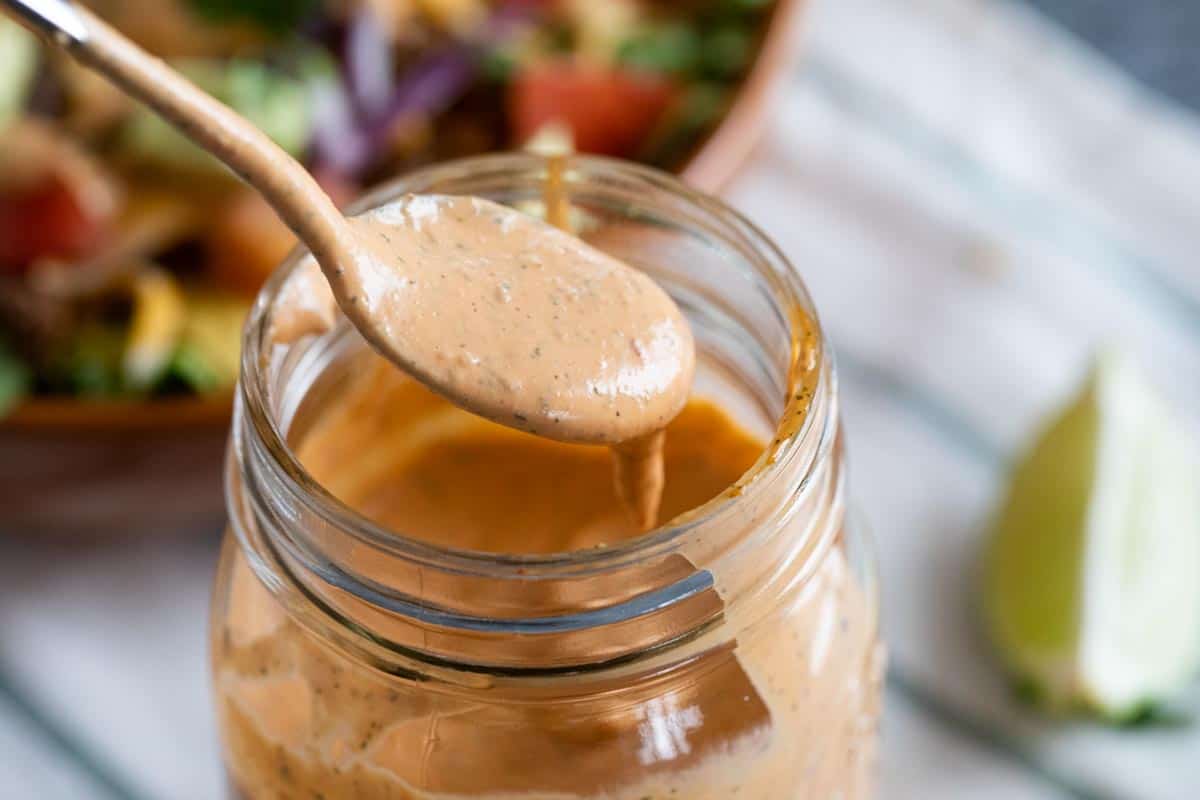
97	459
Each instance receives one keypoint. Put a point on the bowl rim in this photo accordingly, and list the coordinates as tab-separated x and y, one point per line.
711	166
60	414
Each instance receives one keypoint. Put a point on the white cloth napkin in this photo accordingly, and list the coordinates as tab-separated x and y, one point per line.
976	203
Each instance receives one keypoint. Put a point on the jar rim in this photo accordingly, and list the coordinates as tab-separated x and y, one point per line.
789	442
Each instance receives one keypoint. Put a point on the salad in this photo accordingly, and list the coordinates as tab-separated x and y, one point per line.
128	257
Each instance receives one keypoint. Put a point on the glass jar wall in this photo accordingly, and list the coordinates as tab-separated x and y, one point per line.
414	603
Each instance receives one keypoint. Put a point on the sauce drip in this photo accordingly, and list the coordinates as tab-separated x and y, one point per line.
638	462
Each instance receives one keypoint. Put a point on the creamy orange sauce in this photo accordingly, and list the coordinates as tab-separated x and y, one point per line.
519	322
508	317
787	713
416	464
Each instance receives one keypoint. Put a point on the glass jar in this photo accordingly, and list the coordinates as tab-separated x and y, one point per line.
731	652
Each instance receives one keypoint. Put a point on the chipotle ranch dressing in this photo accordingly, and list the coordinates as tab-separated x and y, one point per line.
511	319
787	714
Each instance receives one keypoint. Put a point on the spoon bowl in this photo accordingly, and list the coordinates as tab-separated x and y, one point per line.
511	318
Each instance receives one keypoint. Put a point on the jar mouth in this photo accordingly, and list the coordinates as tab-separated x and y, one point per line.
794	450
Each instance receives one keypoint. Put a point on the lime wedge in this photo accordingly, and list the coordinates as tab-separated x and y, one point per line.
1092	574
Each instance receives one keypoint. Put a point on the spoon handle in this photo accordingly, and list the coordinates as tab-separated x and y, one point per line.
286	185
56	19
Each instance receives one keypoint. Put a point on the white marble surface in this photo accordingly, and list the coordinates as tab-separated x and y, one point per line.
976	204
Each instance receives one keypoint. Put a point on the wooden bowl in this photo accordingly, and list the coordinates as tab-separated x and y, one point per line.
93	470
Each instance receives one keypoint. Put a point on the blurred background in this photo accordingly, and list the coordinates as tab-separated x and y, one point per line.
979	194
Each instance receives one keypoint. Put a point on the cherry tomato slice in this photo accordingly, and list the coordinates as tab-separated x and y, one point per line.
45	220
609	111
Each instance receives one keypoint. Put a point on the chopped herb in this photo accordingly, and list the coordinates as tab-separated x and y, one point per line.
742	6
497	65
727	51
91	366
276	16
15	379
672	47
686	120
191	367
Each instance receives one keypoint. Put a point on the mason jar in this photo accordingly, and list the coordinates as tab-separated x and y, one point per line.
731	652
